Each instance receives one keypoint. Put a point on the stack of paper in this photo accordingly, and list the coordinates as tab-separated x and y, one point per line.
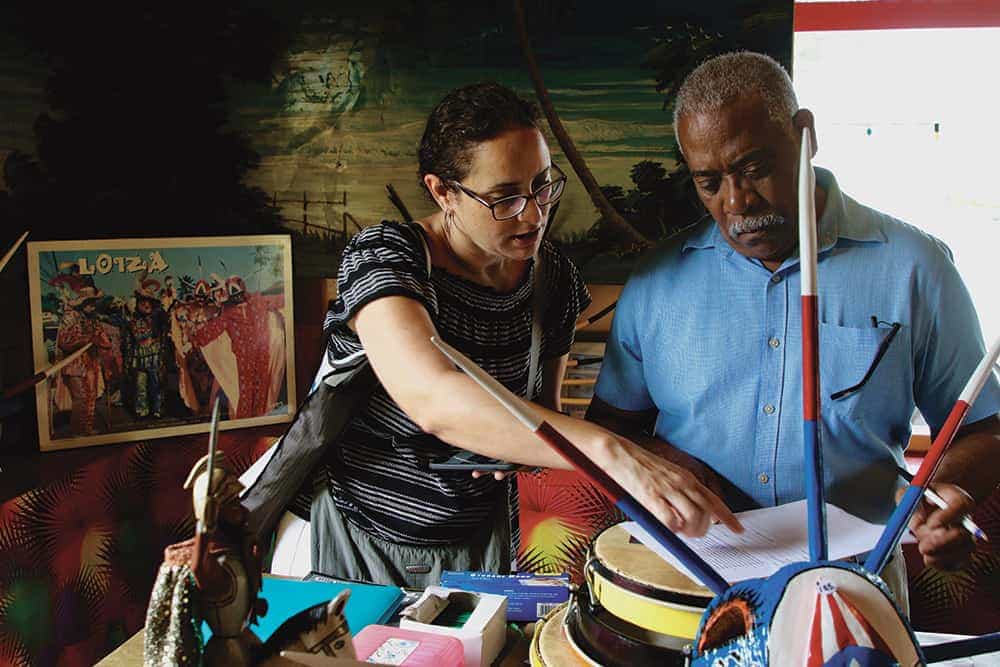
773	537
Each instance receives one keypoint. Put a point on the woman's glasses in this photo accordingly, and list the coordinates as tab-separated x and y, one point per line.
506	208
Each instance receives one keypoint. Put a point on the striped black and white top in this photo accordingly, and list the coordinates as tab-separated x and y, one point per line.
378	476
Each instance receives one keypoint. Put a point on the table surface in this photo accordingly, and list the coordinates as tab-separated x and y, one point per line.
515	652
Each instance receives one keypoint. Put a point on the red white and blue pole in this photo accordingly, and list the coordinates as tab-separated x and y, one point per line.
612	489
900	518
815	501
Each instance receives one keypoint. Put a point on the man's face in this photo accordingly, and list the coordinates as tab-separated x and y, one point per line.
744	166
145	306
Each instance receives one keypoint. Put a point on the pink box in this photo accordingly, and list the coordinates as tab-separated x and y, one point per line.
396	646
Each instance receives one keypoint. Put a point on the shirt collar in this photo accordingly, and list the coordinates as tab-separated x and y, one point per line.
836	221
834	224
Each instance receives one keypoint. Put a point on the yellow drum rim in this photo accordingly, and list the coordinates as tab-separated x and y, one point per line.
534	649
656	615
533	656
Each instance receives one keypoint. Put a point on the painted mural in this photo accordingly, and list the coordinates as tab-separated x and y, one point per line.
346	106
296	116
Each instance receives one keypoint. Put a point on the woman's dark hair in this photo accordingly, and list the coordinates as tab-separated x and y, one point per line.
465	117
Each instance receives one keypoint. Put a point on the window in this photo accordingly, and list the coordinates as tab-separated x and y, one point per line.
909	121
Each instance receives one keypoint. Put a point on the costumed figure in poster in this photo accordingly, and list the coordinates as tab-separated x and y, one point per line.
167	295
83	378
196	385
145	350
69	281
245	347
114	321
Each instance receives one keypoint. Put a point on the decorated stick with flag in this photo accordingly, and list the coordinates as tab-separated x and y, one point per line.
13	249
612	489
46	374
900	518
815	502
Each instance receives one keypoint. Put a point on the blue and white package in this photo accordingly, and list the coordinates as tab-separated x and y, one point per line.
529	596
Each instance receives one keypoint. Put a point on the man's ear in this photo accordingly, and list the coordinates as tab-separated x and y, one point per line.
439	190
804	118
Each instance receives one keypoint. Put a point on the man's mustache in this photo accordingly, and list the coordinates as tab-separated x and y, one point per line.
755	224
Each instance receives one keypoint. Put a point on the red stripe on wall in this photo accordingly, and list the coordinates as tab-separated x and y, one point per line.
890	14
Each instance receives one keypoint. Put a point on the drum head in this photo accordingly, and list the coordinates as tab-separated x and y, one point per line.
550	647
619	552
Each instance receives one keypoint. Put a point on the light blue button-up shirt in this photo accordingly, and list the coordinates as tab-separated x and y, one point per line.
711	339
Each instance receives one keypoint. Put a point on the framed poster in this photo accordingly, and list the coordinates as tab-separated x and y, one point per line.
171	324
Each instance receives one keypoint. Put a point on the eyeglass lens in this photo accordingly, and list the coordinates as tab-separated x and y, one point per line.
544	195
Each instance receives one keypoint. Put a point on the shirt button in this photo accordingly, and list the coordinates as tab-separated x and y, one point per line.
763	478
768	409
776	278
774	342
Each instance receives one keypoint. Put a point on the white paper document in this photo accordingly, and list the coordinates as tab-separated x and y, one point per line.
772	537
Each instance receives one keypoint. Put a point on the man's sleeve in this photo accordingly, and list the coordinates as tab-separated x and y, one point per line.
622	382
949	347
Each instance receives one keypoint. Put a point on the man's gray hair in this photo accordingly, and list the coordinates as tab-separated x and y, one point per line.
732	76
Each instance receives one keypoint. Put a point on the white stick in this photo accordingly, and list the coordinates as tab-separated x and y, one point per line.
523	413
13	249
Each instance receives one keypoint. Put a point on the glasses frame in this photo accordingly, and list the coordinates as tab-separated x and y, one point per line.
883	346
561	178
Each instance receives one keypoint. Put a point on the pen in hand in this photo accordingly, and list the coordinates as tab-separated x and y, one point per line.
936	500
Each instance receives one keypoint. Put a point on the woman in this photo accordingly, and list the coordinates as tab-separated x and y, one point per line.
486	165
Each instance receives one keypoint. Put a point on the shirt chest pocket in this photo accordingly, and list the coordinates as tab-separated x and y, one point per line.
867	369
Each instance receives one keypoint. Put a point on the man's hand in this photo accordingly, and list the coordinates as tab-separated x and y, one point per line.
941	539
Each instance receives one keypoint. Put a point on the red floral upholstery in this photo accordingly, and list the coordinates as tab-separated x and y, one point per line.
78	557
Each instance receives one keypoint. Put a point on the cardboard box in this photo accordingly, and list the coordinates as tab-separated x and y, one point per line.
529	596
484	632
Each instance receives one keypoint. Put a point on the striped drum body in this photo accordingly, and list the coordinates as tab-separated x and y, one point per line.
609	641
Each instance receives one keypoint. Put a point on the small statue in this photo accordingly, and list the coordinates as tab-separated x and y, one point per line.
213	577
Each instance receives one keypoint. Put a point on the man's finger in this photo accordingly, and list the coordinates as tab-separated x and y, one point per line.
958	504
945	516
942	540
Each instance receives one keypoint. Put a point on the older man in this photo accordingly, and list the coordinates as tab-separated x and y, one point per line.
705	345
